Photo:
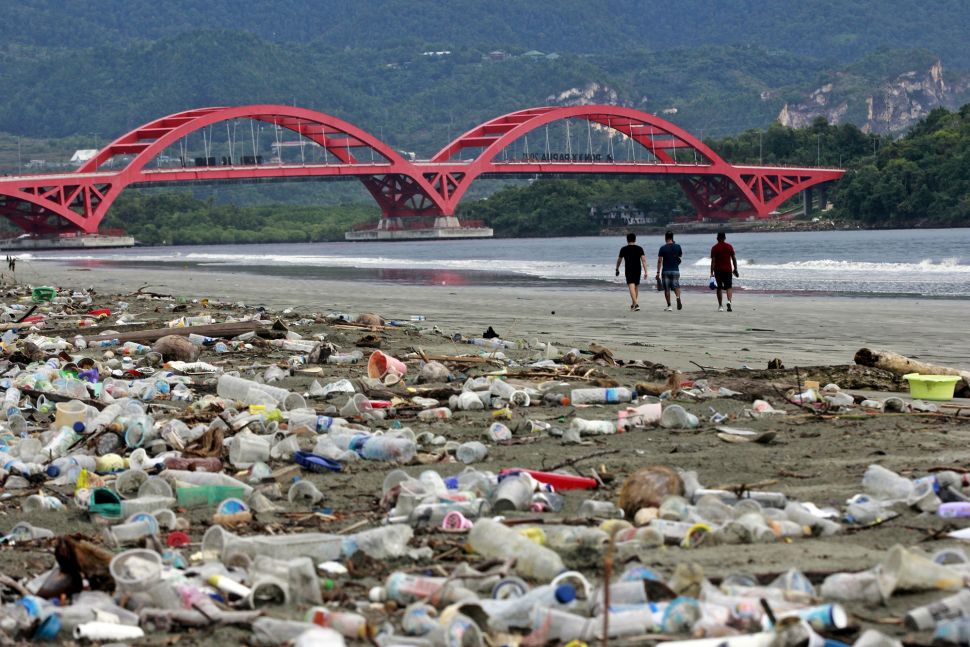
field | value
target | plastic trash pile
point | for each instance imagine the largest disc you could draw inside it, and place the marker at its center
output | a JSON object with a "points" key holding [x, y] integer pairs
{"points": [[200, 465]]}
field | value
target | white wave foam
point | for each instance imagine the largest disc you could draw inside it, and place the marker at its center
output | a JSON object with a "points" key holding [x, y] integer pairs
{"points": [[707, 262], [948, 265]]}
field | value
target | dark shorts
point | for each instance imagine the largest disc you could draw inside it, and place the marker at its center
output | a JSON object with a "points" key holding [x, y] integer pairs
{"points": [[633, 278], [671, 280], [724, 280]]}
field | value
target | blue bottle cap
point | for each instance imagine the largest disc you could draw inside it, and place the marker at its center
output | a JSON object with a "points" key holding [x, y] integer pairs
{"points": [[79, 427], [53, 471], [565, 593], [49, 628], [451, 483]]}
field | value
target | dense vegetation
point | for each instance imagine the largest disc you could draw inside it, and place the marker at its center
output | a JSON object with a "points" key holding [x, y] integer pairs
{"points": [[826, 29], [923, 178], [180, 219]]}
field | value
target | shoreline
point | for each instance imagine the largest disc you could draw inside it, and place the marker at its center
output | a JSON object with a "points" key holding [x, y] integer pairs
{"points": [[800, 330]]}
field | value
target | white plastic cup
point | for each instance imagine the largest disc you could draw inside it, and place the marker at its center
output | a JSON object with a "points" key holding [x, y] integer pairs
{"points": [[39, 502], [676, 417], [471, 452], [247, 449], [513, 493], [136, 570], [304, 492]]}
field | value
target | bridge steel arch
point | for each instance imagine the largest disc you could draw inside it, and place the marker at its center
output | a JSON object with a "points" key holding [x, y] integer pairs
{"points": [[716, 188], [81, 199], [78, 201]]}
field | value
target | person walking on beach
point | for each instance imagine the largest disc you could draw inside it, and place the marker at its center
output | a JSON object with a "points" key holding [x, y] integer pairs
{"points": [[724, 264], [668, 269], [633, 260]]}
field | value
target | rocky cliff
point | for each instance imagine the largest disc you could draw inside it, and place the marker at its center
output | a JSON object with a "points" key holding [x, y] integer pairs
{"points": [[890, 107]]}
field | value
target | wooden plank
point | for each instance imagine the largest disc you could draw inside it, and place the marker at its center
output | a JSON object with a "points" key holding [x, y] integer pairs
{"points": [[230, 329]]}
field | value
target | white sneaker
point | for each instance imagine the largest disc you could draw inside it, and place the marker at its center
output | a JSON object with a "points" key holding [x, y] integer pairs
{"points": [[668, 309], [720, 308]]}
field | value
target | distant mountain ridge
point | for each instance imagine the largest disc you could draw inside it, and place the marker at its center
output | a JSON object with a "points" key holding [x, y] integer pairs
{"points": [[89, 70]]}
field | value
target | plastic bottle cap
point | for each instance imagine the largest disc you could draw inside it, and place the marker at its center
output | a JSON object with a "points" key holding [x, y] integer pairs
{"points": [[377, 594], [53, 471], [565, 593], [79, 427], [48, 629], [177, 538]]}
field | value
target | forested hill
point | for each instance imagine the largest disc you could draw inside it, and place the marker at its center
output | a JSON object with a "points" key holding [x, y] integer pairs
{"points": [[831, 30], [417, 71]]}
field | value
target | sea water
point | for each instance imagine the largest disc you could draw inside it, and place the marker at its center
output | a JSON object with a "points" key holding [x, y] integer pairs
{"points": [[902, 263]]}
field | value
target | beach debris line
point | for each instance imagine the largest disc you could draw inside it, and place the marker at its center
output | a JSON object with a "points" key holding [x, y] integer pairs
{"points": [[235, 467]]}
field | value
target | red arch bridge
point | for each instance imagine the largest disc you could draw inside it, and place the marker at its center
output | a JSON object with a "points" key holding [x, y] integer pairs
{"points": [[405, 189]]}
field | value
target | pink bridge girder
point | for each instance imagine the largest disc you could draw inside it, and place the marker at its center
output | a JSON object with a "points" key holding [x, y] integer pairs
{"points": [[79, 201]]}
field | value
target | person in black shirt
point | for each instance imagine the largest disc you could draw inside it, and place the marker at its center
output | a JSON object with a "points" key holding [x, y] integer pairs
{"points": [[633, 260]]}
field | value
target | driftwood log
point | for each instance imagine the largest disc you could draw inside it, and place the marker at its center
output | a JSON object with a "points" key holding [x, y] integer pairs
{"points": [[901, 365]]}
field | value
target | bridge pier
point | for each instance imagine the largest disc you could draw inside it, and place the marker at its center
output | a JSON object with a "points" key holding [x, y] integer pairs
{"points": [[807, 202], [420, 228]]}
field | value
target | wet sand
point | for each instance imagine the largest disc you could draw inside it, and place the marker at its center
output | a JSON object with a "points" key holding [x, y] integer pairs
{"points": [[799, 330]]}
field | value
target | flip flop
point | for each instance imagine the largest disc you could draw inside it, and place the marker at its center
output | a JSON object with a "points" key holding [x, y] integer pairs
{"points": [[636, 308]]}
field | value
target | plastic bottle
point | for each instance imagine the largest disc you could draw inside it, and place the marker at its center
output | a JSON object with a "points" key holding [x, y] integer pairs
{"points": [[886, 484], [956, 632], [514, 492], [379, 543], [438, 413], [105, 417], [131, 348], [345, 358], [232, 387], [385, 448], [11, 400], [492, 539], [602, 395], [516, 612], [316, 545], [593, 427], [60, 443], [346, 623], [406, 588]]}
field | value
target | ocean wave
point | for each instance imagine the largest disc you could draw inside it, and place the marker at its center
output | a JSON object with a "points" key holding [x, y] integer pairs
{"points": [[948, 265]]}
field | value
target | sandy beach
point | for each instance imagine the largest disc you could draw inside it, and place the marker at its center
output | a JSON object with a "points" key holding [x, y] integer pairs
{"points": [[799, 330]]}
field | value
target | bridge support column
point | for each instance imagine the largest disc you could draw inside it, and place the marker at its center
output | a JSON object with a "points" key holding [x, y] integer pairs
{"points": [[807, 202], [391, 223], [446, 222]]}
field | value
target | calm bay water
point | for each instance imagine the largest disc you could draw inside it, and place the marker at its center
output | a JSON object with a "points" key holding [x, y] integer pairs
{"points": [[928, 262]]}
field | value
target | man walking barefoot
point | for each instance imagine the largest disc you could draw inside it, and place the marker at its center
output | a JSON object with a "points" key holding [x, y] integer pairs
{"points": [[724, 264], [633, 260], [668, 269]]}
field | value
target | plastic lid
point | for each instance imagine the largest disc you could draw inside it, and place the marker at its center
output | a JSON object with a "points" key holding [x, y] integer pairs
{"points": [[451, 483], [565, 593], [53, 471], [48, 629], [177, 538], [79, 427]]}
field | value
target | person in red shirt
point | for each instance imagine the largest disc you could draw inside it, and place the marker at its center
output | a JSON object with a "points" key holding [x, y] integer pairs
{"points": [[724, 264]]}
